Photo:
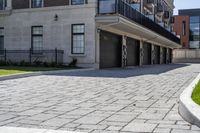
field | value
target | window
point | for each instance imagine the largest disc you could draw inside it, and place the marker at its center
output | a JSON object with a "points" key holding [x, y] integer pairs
{"points": [[37, 38], [78, 2], [194, 19], [36, 3], [184, 28], [78, 38], [194, 32], [3, 4], [1, 41]]}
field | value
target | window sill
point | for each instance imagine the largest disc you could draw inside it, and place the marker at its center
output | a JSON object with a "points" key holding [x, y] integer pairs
{"points": [[77, 55]]}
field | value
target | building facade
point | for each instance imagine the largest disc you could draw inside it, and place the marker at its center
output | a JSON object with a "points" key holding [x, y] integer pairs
{"points": [[100, 34], [187, 26]]}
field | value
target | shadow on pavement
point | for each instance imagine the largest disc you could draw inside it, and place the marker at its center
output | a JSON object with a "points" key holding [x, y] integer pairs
{"points": [[126, 72]]}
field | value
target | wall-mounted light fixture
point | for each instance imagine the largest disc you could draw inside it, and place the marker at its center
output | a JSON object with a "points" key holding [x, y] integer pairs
{"points": [[56, 17]]}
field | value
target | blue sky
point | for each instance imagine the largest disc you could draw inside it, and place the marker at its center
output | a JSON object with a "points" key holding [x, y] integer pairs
{"points": [[185, 4]]}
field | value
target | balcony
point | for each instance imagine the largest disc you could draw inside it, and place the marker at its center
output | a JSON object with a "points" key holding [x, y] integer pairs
{"points": [[110, 12]]}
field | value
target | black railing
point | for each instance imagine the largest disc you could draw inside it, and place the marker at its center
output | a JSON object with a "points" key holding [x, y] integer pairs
{"points": [[32, 56], [123, 8]]}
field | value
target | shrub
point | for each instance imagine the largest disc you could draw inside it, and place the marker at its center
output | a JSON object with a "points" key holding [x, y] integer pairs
{"points": [[73, 63]]}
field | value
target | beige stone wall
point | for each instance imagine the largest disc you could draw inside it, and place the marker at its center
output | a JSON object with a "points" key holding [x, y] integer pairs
{"points": [[56, 34]]}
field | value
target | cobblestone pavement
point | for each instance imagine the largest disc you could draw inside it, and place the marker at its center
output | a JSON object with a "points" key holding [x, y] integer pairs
{"points": [[141, 99]]}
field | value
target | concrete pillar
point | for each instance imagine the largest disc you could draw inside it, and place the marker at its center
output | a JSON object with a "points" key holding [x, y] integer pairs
{"points": [[152, 54], [97, 49], [124, 51], [142, 6], [167, 55], [9, 5], [141, 53]]}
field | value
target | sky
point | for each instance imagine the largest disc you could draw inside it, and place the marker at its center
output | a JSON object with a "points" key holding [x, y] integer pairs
{"points": [[185, 4]]}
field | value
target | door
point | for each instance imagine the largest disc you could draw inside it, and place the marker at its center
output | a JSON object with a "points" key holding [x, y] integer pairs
{"points": [[133, 52], [164, 55], [157, 54], [147, 54], [170, 55], [110, 50]]}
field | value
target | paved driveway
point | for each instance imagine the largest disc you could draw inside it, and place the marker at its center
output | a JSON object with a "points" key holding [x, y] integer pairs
{"points": [[133, 100]]}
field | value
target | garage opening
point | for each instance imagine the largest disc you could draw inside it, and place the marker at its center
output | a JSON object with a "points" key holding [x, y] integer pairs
{"points": [[164, 56], [147, 54], [133, 52], [110, 50], [157, 54], [170, 55]]}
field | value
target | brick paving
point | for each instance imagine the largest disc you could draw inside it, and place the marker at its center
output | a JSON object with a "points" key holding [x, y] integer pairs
{"points": [[141, 99]]}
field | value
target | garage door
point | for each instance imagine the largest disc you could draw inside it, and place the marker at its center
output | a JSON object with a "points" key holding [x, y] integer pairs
{"points": [[164, 56], [147, 54], [133, 52], [110, 50], [157, 55], [170, 55]]}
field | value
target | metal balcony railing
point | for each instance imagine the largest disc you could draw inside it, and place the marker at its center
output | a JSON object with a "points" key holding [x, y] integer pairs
{"points": [[160, 8], [150, 1], [123, 8]]}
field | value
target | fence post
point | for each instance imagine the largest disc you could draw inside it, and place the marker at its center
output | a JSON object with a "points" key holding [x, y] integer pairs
{"points": [[5, 55], [30, 52], [56, 56]]}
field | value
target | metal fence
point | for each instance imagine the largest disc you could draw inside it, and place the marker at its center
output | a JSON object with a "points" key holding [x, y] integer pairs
{"points": [[32, 56], [125, 9]]}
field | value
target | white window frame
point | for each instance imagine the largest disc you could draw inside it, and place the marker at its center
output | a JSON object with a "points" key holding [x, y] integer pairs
{"points": [[38, 51], [72, 39]]}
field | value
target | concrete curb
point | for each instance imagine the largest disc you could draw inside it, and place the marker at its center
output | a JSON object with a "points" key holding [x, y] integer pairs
{"points": [[30, 130], [29, 74], [188, 109]]}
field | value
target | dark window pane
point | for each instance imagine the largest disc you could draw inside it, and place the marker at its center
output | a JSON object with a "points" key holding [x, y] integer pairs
{"points": [[194, 19], [194, 29], [36, 3], [2, 4], [107, 6]]}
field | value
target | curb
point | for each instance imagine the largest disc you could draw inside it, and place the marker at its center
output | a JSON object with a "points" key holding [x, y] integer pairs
{"points": [[188, 109], [29, 74], [31, 130]]}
